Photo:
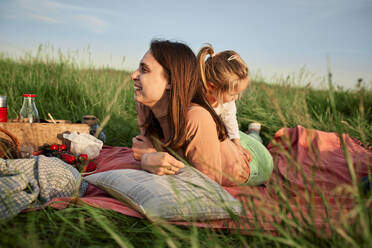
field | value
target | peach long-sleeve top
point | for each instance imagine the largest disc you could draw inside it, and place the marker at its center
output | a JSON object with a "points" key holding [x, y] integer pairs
{"points": [[222, 161]]}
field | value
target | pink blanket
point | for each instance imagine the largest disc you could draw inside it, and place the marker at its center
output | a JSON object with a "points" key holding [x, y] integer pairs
{"points": [[307, 164]]}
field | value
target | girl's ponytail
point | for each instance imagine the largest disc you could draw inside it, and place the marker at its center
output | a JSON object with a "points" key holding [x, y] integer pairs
{"points": [[204, 51]]}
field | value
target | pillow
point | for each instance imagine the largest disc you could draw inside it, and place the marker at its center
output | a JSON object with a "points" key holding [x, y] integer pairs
{"points": [[32, 182], [188, 195]]}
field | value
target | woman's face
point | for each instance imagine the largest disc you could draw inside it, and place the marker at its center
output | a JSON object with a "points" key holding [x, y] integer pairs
{"points": [[150, 81]]}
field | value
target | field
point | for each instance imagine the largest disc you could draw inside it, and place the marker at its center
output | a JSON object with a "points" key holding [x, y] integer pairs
{"points": [[68, 92]]}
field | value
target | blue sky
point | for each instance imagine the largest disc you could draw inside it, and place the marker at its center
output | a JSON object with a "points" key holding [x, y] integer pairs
{"points": [[275, 37]]}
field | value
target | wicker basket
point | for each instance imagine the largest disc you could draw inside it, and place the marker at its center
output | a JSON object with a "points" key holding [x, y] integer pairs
{"points": [[31, 136], [9, 145]]}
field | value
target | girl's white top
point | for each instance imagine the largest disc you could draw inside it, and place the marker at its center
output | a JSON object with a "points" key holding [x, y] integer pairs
{"points": [[227, 112]]}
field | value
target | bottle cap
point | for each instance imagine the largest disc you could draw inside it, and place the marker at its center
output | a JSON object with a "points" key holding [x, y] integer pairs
{"points": [[29, 95], [2, 101]]}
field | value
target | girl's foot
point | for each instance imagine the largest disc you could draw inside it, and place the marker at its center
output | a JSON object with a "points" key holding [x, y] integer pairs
{"points": [[254, 131], [254, 127]]}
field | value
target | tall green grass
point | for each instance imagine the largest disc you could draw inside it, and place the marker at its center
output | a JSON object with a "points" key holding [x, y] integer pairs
{"points": [[282, 105], [68, 92]]}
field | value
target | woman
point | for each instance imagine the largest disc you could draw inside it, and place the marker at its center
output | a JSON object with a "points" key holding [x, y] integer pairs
{"points": [[171, 106]]}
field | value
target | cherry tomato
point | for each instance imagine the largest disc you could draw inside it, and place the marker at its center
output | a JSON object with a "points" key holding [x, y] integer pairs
{"points": [[90, 167], [54, 147], [68, 158], [62, 147], [83, 157]]}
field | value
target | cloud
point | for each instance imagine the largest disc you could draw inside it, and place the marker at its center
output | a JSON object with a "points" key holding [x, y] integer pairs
{"points": [[44, 18], [57, 5], [45, 5], [91, 22], [29, 4], [328, 9], [54, 12]]}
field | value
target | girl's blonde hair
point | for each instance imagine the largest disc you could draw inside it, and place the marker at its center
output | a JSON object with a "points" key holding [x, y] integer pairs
{"points": [[224, 69]]}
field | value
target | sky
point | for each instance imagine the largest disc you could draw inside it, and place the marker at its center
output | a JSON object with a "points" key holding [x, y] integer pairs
{"points": [[276, 38]]}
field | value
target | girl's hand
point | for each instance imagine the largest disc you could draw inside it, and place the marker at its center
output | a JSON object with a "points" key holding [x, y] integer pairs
{"points": [[141, 145], [160, 163]]}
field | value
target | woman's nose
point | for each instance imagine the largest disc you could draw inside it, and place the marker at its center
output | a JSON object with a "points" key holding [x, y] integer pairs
{"points": [[134, 75]]}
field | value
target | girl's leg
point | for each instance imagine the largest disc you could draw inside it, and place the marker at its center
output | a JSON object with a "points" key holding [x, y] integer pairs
{"points": [[261, 165], [256, 136]]}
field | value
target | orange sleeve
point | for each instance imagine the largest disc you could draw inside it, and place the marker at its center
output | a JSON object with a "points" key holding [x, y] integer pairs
{"points": [[203, 147]]}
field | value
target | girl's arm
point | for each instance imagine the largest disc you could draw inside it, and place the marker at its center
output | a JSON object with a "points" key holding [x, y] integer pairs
{"points": [[228, 116]]}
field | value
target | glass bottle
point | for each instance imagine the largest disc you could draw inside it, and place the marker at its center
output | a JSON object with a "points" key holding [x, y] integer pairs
{"points": [[29, 111]]}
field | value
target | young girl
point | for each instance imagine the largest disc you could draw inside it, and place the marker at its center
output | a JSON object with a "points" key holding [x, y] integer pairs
{"points": [[225, 76]]}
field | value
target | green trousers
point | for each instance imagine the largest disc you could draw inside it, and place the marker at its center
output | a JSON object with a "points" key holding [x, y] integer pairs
{"points": [[261, 165]]}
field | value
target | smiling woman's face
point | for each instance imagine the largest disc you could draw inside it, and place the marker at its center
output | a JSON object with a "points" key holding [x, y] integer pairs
{"points": [[150, 81]]}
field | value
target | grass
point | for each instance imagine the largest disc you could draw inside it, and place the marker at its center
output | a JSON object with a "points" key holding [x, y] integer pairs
{"points": [[68, 92]]}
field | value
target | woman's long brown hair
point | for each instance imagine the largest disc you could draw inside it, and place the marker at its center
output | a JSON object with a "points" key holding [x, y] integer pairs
{"points": [[180, 65]]}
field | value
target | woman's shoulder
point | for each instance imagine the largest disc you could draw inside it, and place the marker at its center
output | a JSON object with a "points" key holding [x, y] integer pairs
{"points": [[198, 114], [200, 121], [196, 109]]}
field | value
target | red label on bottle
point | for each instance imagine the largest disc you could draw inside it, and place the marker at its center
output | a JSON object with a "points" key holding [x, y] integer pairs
{"points": [[3, 115]]}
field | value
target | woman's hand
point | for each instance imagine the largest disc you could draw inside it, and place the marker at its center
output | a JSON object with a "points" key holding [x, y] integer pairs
{"points": [[247, 153], [236, 141], [141, 145], [160, 163]]}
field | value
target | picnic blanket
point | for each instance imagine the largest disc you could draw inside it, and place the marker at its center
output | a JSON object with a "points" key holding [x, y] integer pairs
{"points": [[27, 183], [310, 166]]}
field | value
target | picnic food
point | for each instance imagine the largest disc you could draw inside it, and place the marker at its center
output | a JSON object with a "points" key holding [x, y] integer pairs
{"points": [[54, 147], [69, 158], [90, 167], [83, 157], [79, 161], [62, 147]]}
